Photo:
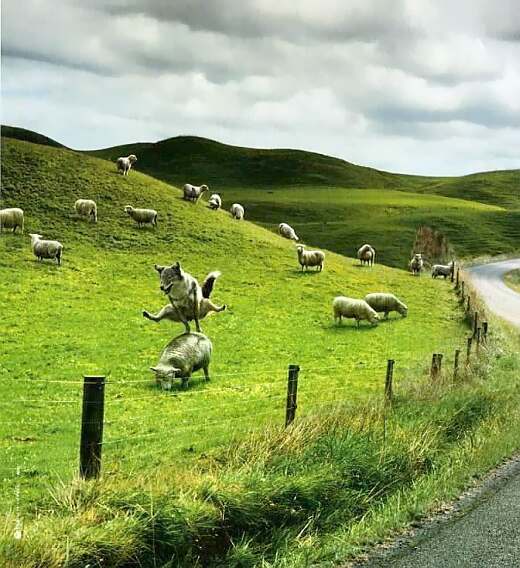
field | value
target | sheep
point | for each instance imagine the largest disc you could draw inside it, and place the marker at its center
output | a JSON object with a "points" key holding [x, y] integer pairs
{"points": [[11, 219], [215, 201], [288, 232], [343, 307], [443, 269], [87, 208], [308, 258], [46, 249], [381, 302], [237, 211], [194, 192], [124, 165], [183, 355], [416, 264], [366, 254], [142, 216]]}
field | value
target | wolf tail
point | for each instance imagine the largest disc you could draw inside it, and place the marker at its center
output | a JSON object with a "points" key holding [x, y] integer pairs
{"points": [[209, 282]]}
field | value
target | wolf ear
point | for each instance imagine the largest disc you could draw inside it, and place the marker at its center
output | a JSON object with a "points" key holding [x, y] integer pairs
{"points": [[159, 268], [177, 265]]}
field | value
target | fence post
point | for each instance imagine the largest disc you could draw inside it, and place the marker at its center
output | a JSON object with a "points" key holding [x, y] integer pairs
{"points": [[92, 418], [475, 324], [462, 291], [456, 364], [478, 340], [484, 331], [292, 394], [468, 307], [457, 279], [389, 379], [439, 364], [433, 369], [452, 275], [468, 350]]}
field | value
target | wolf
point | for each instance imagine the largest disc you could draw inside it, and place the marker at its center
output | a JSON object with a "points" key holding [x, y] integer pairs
{"points": [[189, 300]]}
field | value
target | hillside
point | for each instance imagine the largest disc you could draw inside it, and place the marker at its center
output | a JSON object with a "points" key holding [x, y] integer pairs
{"points": [[18, 133], [186, 474]]}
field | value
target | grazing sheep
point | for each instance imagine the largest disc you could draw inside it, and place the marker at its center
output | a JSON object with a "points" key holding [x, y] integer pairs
{"points": [[194, 192], [287, 231], [308, 258], [124, 165], [417, 264], [87, 208], [184, 355], [381, 302], [443, 269], [366, 255], [343, 307], [142, 216], [215, 201], [237, 211], [11, 219], [46, 249]]}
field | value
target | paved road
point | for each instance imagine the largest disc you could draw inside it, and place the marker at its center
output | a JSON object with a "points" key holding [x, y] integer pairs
{"points": [[485, 533], [488, 279]]}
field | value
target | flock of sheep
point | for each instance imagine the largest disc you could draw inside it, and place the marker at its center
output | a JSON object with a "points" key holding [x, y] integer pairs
{"points": [[189, 301]]}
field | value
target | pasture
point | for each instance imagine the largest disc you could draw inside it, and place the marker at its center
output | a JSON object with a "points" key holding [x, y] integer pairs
{"points": [[85, 318]]}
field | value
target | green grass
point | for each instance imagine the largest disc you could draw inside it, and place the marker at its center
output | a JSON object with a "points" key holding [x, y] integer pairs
{"points": [[183, 474], [512, 279]]}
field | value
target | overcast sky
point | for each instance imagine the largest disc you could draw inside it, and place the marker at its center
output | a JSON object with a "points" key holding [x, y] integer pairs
{"points": [[417, 86]]}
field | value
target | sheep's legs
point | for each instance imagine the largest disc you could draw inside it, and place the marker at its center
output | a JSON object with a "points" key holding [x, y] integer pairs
{"points": [[206, 373]]}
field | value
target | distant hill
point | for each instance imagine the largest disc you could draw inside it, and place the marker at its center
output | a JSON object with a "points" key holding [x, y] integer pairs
{"points": [[28, 136]]}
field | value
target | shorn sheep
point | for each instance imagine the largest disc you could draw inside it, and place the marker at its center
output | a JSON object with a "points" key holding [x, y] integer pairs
{"points": [[11, 219], [386, 303], [86, 208], [443, 269], [366, 255], [46, 249], [237, 211], [184, 355], [417, 264], [215, 201], [288, 232], [124, 165], [343, 307], [142, 216], [308, 258], [194, 192]]}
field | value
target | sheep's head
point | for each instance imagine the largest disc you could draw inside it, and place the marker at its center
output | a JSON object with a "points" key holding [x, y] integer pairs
{"points": [[132, 158], [128, 208], [169, 275], [165, 375], [204, 188], [34, 237], [402, 309], [300, 248]]}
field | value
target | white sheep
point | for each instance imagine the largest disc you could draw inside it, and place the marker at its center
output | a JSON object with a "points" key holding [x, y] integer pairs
{"points": [[194, 192], [382, 302], [215, 201], [11, 219], [343, 307], [142, 216], [417, 264], [366, 254], [287, 231], [86, 208], [184, 355], [443, 269], [237, 211], [308, 258], [46, 249], [124, 165]]}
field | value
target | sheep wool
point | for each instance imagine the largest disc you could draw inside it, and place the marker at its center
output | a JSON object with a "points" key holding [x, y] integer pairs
{"points": [[386, 303], [142, 216], [11, 218], [343, 307]]}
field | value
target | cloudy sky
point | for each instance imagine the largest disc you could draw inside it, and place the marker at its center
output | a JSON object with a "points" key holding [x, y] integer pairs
{"points": [[418, 86]]}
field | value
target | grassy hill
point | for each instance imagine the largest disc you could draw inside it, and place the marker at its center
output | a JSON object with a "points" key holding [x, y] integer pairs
{"points": [[28, 136], [173, 484]]}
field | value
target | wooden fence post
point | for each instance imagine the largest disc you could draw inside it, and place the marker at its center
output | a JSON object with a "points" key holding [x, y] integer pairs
{"points": [[292, 394], [389, 380], [452, 275], [439, 363], [468, 307], [475, 324], [434, 367], [457, 279], [484, 331], [92, 419], [462, 291], [456, 364], [468, 350], [478, 340]]}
